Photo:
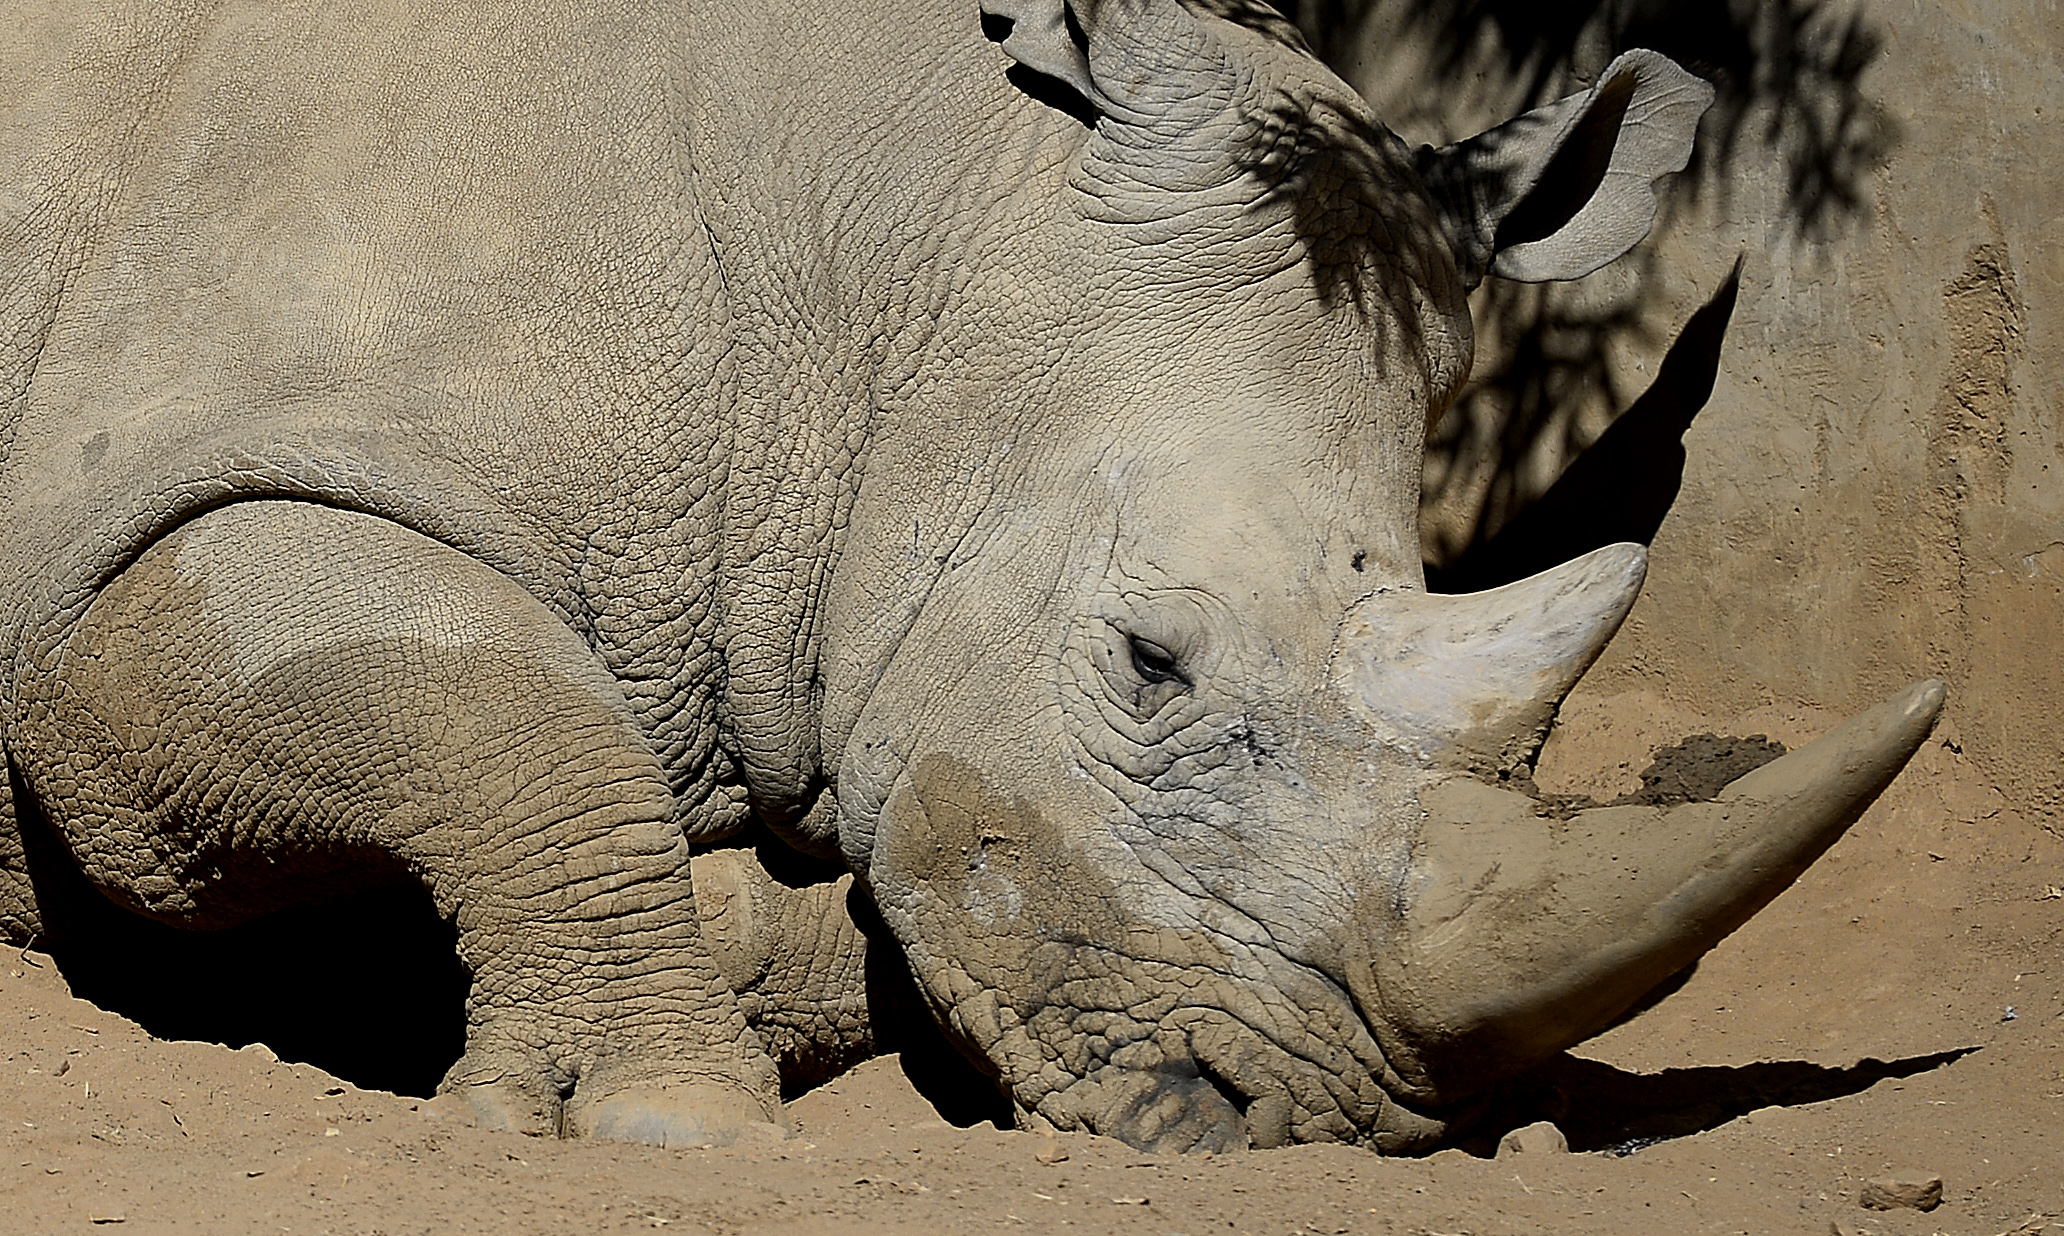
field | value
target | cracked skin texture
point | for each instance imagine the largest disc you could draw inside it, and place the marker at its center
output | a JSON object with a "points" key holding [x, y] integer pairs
{"points": [[506, 445], [1166, 1032], [281, 701]]}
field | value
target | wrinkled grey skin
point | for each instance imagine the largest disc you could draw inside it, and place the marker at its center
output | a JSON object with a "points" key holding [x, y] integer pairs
{"points": [[502, 446]]}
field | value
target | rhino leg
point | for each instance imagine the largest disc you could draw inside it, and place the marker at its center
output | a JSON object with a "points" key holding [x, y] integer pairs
{"points": [[787, 943], [20, 922], [282, 702]]}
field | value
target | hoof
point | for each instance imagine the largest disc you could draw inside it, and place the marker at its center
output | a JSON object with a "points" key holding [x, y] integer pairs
{"points": [[1168, 1113], [450, 1109], [495, 1105], [683, 1115]]}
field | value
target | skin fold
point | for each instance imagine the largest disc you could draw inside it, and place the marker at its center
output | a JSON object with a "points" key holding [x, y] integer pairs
{"points": [[519, 447]]}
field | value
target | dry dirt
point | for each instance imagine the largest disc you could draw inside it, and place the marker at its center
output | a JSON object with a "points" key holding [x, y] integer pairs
{"points": [[1898, 1011]]}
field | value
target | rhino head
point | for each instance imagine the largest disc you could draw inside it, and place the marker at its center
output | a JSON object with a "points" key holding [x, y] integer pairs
{"points": [[1189, 804]]}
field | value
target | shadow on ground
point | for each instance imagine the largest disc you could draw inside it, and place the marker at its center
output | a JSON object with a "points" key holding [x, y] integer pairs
{"points": [[953, 1081], [1599, 1107], [368, 988]]}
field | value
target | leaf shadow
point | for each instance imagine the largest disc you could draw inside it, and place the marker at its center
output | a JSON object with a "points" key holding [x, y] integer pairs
{"points": [[1794, 110]]}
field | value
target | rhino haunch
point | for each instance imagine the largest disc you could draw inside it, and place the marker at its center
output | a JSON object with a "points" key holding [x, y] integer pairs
{"points": [[507, 447]]}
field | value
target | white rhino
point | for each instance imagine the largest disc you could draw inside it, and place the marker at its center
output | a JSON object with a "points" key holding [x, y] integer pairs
{"points": [[504, 445]]}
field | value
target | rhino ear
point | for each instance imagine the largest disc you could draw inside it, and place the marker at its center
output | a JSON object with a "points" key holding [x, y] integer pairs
{"points": [[1046, 37], [1566, 188]]}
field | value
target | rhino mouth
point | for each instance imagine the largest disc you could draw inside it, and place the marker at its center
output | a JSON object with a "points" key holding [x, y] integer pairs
{"points": [[1103, 1004], [1197, 1057]]}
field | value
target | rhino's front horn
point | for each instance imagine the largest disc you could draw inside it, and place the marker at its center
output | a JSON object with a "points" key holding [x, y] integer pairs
{"points": [[1515, 936]]}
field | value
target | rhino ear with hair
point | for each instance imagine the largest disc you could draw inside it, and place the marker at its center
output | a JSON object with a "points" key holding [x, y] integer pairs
{"points": [[1566, 188]]}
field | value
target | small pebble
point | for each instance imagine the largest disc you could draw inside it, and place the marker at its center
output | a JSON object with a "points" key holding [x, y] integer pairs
{"points": [[1051, 1153], [1896, 1192], [1540, 1138]]}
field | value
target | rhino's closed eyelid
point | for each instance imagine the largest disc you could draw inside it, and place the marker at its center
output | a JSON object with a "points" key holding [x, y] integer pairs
{"points": [[1154, 663]]}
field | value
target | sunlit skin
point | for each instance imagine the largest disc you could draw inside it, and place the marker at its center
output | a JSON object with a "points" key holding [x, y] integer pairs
{"points": [[515, 457]]}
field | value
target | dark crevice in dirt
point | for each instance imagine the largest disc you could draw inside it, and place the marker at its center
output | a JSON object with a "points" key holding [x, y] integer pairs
{"points": [[1692, 771], [1602, 1108]]}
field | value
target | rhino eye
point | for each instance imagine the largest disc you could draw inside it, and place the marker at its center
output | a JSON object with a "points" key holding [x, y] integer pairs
{"points": [[1154, 663]]}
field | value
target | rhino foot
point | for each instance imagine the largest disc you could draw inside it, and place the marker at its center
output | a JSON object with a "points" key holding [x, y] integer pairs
{"points": [[496, 1106], [695, 1111], [700, 1113], [1156, 1111]]}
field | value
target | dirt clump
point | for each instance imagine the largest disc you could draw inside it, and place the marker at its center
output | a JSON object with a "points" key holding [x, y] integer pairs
{"points": [[1697, 769], [1692, 771]]}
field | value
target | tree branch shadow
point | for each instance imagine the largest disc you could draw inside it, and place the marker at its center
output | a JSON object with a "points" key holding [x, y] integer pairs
{"points": [[1792, 102], [1788, 76], [1618, 489]]}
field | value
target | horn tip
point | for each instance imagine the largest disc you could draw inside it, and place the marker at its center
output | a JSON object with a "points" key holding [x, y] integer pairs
{"points": [[1626, 555], [1926, 696], [1896, 728], [1622, 565]]}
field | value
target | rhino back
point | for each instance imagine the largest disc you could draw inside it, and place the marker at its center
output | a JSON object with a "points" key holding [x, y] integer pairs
{"points": [[604, 294], [71, 82]]}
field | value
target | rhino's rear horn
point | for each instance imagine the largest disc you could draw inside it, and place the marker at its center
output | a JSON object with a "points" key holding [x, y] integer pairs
{"points": [[1471, 682]]}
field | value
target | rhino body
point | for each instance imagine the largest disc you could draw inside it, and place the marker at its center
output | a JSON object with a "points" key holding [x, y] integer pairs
{"points": [[506, 446]]}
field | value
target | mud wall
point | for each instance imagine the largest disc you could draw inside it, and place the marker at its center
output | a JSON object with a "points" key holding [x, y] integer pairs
{"points": [[1874, 491]]}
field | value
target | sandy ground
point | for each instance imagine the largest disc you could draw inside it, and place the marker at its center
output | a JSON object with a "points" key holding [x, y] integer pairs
{"points": [[1860, 1026]]}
